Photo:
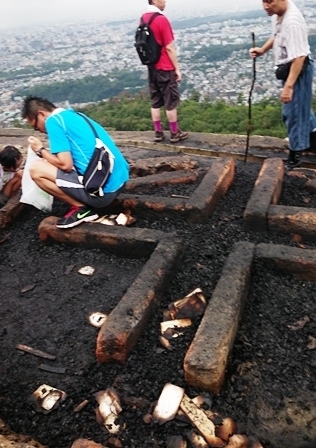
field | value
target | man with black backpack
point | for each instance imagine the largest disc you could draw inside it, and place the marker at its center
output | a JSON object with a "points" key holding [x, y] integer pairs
{"points": [[158, 52]]}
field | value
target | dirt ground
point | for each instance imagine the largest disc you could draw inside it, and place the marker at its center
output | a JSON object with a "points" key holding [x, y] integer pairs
{"points": [[270, 387]]}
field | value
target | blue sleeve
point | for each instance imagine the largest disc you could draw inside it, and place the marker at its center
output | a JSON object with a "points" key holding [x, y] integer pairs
{"points": [[57, 136]]}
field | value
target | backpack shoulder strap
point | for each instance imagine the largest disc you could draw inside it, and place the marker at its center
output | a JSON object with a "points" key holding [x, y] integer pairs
{"points": [[153, 16], [89, 123], [95, 132]]}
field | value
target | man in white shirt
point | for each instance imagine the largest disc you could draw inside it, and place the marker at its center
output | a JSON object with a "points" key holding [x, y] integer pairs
{"points": [[289, 41]]}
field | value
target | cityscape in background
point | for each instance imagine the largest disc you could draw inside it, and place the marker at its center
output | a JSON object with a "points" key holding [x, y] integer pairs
{"points": [[98, 48]]}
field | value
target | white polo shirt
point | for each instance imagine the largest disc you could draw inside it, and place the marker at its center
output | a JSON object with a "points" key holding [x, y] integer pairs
{"points": [[290, 35]]}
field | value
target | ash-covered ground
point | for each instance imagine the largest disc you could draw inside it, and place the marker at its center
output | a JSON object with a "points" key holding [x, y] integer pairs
{"points": [[270, 387]]}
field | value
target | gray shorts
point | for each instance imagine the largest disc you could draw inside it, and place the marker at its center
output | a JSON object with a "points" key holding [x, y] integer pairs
{"points": [[71, 185]]}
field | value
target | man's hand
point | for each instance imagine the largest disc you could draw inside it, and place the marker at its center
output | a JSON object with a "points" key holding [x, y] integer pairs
{"points": [[286, 94], [178, 75], [255, 51], [35, 143], [259, 51], [295, 71]]}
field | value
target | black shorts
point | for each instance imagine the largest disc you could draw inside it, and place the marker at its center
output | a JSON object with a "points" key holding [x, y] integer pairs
{"points": [[163, 89], [71, 185]]}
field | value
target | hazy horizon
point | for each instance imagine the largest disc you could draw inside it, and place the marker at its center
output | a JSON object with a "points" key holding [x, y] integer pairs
{"points": [[19, 13]]}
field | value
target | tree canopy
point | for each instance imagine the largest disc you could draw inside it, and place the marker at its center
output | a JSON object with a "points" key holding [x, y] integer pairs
{"points": [[132, 113]]}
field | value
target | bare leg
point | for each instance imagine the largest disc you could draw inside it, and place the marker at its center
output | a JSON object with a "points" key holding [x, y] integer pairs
{"points": [[172, 115], [155, 114], [13, 185], [44, 175]]}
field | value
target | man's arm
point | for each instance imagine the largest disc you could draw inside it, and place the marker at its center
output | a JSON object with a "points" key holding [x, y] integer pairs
{"points": [[295, 70], [62, 160], [171, 50], [259, 51]]}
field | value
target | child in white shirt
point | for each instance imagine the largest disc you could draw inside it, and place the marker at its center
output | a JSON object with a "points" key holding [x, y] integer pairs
{"points": [[10, 173]]}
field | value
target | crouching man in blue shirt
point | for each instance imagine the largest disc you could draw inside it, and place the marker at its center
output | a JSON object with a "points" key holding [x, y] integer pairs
{"points": [[71, 146]]}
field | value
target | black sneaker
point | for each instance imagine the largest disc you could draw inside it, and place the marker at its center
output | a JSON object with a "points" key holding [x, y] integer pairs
{"points": [[159, 136], [177, 136], [76, 216], [293, 160]]}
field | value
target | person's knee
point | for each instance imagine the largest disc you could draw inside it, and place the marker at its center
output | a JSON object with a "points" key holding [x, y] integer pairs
{"points": [[17, 181], [12, 187], [36, 170], [33, 173], [18, 175]]}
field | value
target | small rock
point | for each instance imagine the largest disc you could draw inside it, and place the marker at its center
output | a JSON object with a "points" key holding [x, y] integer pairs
{"points": [[85, 443]]}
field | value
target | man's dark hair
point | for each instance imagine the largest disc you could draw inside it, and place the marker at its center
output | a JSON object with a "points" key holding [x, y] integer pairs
{"points": [[9, 156], [150, 2], [32, 104]]}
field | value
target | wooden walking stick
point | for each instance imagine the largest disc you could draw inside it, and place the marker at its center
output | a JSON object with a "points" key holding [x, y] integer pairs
{"points": [[249, 126]]}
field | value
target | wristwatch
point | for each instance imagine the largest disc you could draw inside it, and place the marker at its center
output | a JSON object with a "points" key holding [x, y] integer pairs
{"points": [[39, 152]]}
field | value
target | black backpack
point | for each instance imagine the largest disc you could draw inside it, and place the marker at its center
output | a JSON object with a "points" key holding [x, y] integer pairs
{"points": [[146, 45]]}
